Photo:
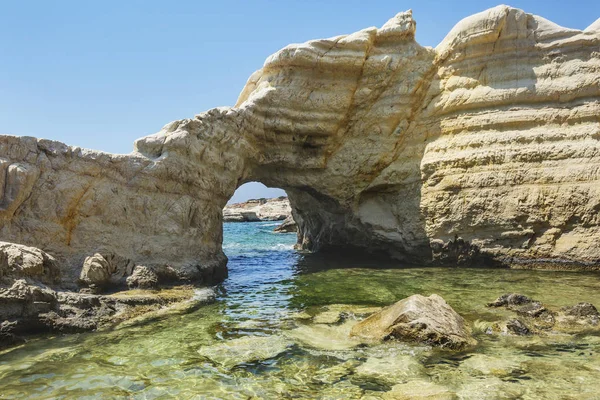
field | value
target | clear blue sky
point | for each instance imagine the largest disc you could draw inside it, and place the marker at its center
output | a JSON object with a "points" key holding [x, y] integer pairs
{"points": [[101, 74]]}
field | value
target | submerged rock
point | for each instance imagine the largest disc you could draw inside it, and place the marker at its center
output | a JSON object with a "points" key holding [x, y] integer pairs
{"points": [[482, 364], [389, 370], [336, 373], [419, 390], [489, 388], [581, 310], [582, 316], [328, 317], [517, 327], [536, 318], [245, 349], [417, 318], [325, 337], [510, 299]]}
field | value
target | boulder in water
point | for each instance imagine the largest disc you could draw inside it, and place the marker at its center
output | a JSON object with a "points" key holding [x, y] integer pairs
{"points": [[143, 278], [18, 261], [420, 319]]}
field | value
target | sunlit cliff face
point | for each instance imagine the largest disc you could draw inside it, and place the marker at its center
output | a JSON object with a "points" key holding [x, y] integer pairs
{"points": [[484, 149]]}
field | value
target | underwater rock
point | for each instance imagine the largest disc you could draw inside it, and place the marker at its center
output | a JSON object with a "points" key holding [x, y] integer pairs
{"points": [[536, 318], [511, 327], [581, 310], [517, 327], [417, 318], [389, 370], [510, 299], [489, 388], [328, 317], [230, 353], [536, 315], [419, 390], [339, 390], [325, 337], [336, 373], [300, 315], [577, 318], [482, 364], [18, 261]]}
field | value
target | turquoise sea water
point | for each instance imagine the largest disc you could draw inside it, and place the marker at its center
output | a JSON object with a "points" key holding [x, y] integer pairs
{"points": [[261, 339]]}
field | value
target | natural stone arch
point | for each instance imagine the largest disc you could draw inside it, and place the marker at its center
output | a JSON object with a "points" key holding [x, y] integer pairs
{"points": [[381, 144]]}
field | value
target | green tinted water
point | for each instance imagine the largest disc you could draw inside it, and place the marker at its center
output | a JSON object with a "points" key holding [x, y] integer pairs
{"points": [[271, 292]]}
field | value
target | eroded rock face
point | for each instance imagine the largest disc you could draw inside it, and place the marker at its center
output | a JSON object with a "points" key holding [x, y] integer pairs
{"points": [[17, 261], [27, 308], [75, 203], [420, 319], [492, 137], [287, 226]]}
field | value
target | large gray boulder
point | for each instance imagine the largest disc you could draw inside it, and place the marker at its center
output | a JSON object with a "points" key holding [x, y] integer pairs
{"points": [[417, 318]]}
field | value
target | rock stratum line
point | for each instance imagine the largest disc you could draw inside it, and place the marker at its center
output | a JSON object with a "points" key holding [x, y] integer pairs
{"points": [[485, 149]]}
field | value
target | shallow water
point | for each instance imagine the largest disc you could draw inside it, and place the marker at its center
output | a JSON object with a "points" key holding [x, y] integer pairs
{"points": [[271, 292]]}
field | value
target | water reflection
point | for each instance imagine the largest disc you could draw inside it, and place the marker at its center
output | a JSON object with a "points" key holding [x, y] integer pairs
{"points": [[274, 292]]}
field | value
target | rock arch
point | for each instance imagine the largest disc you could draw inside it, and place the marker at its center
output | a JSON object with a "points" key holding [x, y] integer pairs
{"points": [[486, 147]]}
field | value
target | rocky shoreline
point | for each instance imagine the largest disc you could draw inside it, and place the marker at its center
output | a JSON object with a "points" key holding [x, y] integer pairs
{"points": [[254, 210], [416, 153], [34, 299]]}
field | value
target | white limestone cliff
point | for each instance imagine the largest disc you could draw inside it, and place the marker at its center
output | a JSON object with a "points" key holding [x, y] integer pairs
{"points": [[485, 149], [253, 210]]}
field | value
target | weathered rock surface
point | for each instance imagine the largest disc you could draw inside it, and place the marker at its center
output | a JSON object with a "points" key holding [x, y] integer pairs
{"points": [[143, 278], [276, 209], [245, 349], [536, 318], [27, 308], [287, 226], [492, 137], [324, 336], [420, 319], [419, 390], [389, 370]]}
